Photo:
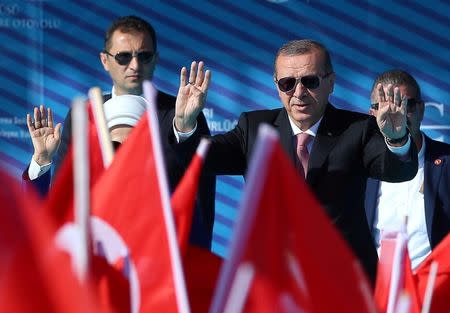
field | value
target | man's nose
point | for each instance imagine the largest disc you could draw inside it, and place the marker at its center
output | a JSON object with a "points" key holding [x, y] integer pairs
{"points": [[299, 90], [134, 63]]}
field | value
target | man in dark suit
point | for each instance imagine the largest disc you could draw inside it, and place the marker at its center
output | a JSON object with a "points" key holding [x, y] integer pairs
{"points": [[345, 147], [425, 199], [129, 56]]}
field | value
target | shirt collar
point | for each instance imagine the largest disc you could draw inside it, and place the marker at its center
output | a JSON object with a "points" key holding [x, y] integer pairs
{"points": [[311, 131], [113, 92]]}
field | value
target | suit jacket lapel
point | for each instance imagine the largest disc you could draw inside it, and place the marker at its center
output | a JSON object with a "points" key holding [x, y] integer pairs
{"points": [[432, 174], [286, 135], [326, 139]]}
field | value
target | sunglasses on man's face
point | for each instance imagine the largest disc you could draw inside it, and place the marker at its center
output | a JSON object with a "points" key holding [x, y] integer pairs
{"points": [[287, 84], [125, 57], [410, 105]]}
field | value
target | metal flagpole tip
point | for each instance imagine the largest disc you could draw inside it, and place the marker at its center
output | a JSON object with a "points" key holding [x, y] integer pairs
{"points": [[203, 147], [150, 92], [95, 92], [267, 132]]}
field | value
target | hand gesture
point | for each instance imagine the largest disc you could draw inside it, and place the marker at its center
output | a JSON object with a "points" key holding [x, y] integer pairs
{"points": [[44, 136], [191, 96], [391, 117]]}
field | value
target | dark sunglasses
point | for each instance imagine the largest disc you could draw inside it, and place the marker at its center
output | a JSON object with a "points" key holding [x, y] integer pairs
{"points": [[287, 84], [410, 105], [125, 57]]}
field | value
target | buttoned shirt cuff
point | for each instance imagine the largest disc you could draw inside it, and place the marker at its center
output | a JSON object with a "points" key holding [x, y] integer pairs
{"points": [[180, 136], [35, 170], [401, 151]]}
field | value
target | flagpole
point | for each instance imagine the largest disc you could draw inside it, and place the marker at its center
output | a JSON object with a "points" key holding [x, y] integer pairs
{"points": [[429, 290], [397, 273], [81, 184], [180, 286], [240, 288], [403, 304]]}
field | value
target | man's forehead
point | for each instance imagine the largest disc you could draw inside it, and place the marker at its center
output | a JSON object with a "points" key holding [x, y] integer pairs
{"points": [[305, 61], [118, 36], [129, 33], [308, 54]]}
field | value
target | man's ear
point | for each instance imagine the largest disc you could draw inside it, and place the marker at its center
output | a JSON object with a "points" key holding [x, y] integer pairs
{"points": [[104, 60]]}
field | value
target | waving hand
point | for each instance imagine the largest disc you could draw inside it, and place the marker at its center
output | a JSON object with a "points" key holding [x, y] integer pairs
{"points": [[191, 96]]}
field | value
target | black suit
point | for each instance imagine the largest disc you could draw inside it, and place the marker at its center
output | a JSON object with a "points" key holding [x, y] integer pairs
{"points": [[201, 233], [348, 148]]}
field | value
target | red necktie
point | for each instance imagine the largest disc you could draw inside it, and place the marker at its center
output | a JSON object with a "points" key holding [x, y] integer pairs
{"points": [[302, 152]]}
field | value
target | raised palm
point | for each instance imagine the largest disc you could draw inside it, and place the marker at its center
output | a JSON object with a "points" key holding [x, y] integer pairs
{"points": [[391, 117], [191, 96], [44, 136]]}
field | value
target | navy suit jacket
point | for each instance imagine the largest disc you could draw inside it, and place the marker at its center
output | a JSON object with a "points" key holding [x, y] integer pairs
{"points": [[347, 149], [203, 219], [436, 191]]}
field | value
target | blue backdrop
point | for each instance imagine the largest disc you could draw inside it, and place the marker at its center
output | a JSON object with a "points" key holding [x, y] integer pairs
{"points": [[50, 53]]}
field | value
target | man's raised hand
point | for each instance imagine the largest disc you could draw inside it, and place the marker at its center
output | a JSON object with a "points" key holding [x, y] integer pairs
{"points": [[391, 117], [191, 96], [44, 136]]}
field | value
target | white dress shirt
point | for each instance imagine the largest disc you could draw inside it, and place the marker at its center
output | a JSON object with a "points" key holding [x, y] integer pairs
{"points": [[399, 200]]}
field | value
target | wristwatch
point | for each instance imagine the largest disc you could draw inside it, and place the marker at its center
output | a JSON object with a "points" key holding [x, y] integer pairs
{"points": [[397, 140]]}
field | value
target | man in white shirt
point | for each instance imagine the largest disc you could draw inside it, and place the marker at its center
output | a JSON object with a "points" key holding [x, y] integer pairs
{"points": [[424, 200]]}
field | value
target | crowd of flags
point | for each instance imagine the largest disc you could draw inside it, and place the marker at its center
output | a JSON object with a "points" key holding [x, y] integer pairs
{"points": [[114, 240]]}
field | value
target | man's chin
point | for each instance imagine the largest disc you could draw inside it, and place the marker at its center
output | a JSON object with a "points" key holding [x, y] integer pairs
{"points": [[298, 119], [135, 88], [299, 116]]}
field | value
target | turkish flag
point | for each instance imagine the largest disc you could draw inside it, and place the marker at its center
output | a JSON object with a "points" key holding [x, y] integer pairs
{"points": [[61, 195], [394, 274], [183, 198], [107, 282], [35, 275], [201, 268], [441, 289], [384, 272], [200, 265], [133, 223], [286, 256]]}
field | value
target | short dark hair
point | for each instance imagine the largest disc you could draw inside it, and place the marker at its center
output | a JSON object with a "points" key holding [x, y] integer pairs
{"points": [[129, 24], [397, 77], [304, 46]]}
